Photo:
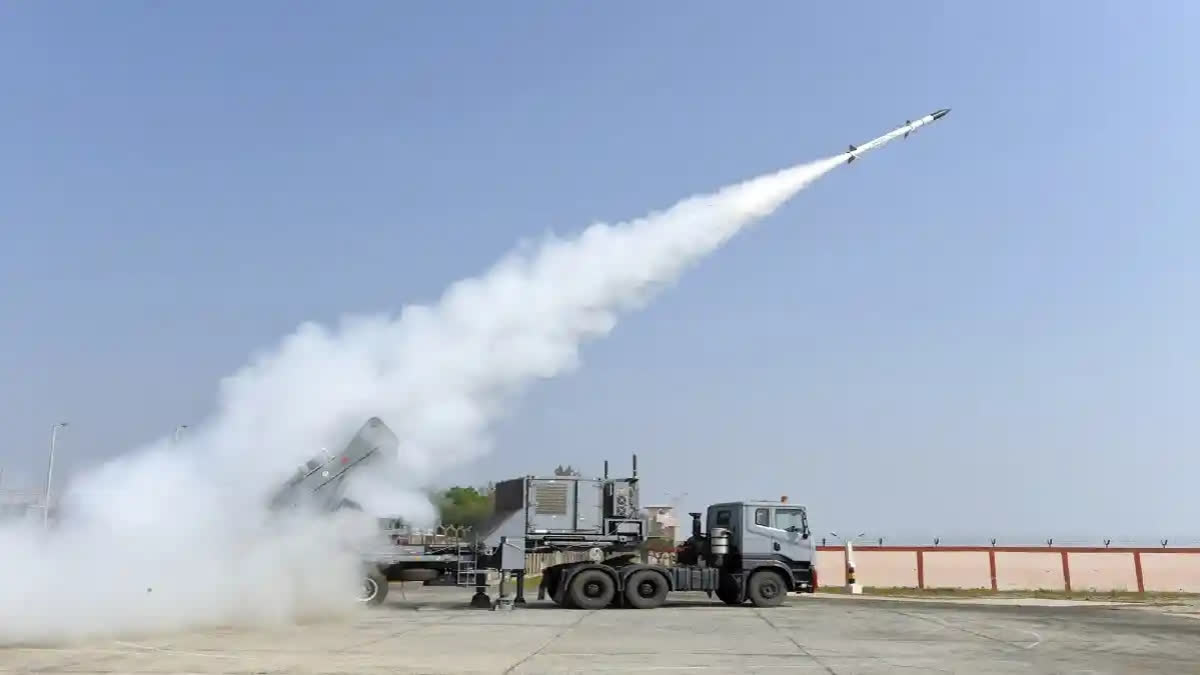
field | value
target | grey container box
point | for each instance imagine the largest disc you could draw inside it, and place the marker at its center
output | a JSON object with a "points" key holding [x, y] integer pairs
{"points": [[566, 505], [564, 509]]}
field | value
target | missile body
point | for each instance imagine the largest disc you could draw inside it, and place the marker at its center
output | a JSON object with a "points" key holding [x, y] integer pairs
{"points": [[904, 130]]}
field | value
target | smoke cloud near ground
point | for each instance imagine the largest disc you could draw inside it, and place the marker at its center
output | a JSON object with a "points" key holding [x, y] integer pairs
{"points": [[176, 535]]}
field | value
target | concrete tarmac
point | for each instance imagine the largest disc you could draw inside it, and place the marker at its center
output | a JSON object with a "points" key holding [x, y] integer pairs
{"points": [[432, 631]]}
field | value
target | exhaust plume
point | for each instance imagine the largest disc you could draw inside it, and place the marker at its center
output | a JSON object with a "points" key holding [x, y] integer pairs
{"points": [[176, 535]]}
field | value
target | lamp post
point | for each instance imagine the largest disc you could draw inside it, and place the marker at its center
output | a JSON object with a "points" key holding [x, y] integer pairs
{"points": [[50, 473], [178, 432], [852, 585]]}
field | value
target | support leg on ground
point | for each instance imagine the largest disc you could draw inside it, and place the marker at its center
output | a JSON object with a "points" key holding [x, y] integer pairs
{"points": [[480, 600], [502, 599], [520, 599]]}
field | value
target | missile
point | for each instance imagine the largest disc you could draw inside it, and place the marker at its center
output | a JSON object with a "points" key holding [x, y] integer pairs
{"points": [[904, 130]]}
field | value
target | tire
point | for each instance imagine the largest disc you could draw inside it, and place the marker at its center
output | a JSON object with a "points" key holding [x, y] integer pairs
{"points": [[591, 589], [374, 588], [728, 591], [767, 589], [416, 574], [646, 589], [550, 581]]}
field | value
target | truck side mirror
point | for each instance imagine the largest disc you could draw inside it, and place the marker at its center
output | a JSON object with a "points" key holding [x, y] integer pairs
{"points": [[797, 529]]}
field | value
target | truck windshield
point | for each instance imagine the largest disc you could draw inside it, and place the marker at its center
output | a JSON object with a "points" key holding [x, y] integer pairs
{"points": [[788, 518]]}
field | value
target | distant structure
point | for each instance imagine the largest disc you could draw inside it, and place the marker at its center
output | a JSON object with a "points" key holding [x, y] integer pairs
{"points": [[20, 504], [663, 522]]}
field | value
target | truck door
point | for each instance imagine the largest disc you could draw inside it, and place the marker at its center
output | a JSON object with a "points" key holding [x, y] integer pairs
{"points": [[791, 524], [758, 538], [777, 532]]}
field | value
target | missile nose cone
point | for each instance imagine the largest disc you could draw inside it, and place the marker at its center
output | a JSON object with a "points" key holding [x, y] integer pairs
{"points": [[941, 113]]}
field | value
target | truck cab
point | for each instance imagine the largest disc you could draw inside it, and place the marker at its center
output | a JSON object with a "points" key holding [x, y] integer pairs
{"points": [[766, 534]]}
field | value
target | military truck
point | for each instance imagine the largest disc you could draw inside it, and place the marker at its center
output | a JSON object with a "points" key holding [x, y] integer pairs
{"points": [[752, 550]]}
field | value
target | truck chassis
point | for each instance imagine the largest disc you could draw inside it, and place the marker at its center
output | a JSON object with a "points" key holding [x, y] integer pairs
{"points": [[624, 582]]}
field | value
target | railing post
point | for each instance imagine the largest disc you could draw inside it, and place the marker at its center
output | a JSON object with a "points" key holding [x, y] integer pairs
{"points": [[852, 585]]}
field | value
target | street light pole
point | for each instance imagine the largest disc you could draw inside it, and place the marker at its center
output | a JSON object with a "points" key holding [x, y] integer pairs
{"points": [[50, 473], [178, 431], [852, 585]]}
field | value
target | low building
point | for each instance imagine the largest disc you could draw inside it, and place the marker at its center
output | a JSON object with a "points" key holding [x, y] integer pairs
{"points": [[663, 523]]}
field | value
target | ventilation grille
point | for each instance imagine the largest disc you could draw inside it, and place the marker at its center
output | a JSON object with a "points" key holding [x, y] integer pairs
{"points": [[620, 502], [552, 499], [622, 509]]}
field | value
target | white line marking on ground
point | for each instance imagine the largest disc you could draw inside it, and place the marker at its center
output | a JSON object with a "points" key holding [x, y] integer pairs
{"points": [[151, 648], [1034, 634]]}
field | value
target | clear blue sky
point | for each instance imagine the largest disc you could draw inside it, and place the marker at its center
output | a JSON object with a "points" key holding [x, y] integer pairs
{"points": [[988, 328]]}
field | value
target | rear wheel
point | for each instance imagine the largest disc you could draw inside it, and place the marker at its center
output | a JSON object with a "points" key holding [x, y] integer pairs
{"points": [[591, 589], [374, 588], [767, 589], [646, 589]]}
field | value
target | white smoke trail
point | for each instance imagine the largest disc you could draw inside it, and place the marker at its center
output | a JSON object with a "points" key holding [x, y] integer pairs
{"points": [[173, 537]]}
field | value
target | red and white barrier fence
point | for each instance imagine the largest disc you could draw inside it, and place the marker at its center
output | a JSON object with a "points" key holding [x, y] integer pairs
{"points": [[1002, 568]]}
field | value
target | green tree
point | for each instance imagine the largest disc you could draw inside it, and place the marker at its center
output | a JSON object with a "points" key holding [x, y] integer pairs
{"points": [[464, 506]]}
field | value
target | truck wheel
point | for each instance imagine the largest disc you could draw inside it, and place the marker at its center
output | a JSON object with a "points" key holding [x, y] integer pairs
{"points": [[645, 589], [728, 591], [417, 574], [591, 589], [374, 588], [767, 589]]}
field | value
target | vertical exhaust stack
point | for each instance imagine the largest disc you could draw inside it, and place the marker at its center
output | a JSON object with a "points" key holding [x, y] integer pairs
{"points": [[634, 466], [606, 469]]}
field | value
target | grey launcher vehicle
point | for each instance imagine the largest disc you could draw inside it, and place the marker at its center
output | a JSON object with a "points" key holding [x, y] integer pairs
{"points": [[749, 550]]}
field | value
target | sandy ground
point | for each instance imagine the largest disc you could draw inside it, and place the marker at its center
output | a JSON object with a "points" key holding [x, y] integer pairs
{"points": [[432, 631]]}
